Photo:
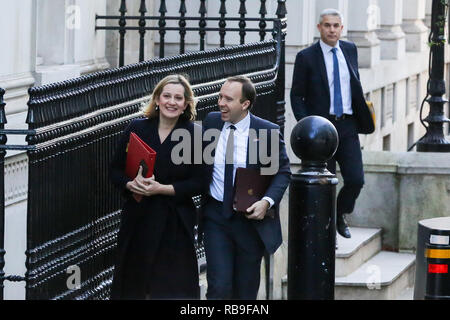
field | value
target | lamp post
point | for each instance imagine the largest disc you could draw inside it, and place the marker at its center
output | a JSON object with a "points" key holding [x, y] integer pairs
{"points": [[434, 140]]}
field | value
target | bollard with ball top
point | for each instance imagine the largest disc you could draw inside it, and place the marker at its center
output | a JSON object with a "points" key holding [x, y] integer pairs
{"points": [[312, 212]]}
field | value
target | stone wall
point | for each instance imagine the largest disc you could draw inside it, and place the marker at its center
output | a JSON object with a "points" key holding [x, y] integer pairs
{"points": [[401, 188]]}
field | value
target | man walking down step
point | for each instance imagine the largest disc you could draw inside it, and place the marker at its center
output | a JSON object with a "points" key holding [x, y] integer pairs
{"points": [[326, 83]]}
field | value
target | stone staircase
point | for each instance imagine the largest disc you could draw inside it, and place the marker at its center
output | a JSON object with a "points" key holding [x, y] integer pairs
{"points": [[365, 272]]}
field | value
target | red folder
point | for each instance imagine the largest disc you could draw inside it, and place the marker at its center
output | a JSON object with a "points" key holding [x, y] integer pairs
{"points": [[139, 154]]}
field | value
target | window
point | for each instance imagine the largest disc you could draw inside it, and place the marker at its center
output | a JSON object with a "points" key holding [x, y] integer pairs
{"points": [[410, 135], [387, 143]]}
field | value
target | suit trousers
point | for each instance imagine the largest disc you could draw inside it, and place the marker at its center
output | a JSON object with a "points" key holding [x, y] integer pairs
{"points": [[234, 252], [349, 158]]}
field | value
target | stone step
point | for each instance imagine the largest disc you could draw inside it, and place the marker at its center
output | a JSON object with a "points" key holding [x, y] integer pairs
{"points": [[407, 294], [383, 277], [353, 252], [203, 284]]}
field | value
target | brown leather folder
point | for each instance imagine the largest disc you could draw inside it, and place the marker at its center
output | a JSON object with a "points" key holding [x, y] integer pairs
{"points": [[249, 187]]}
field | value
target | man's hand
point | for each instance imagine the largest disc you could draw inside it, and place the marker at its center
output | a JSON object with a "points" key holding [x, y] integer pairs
{"points": [[258, 210]]}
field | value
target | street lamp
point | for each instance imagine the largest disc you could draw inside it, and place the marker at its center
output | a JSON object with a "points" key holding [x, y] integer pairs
{"points": [[434, 140]]}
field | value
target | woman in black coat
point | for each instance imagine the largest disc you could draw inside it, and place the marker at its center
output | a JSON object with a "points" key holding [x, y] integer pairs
{"points": [[156, 258]]}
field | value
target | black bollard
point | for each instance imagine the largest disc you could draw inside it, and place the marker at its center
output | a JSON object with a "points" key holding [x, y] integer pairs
{"points": [[432, 281], [312, 212]]}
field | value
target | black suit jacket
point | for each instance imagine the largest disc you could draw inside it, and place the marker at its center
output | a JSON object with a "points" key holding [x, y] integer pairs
{"points": [[269, 229], [310, 93]]}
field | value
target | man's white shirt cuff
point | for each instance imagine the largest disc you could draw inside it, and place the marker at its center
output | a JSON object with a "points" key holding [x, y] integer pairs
{"points": [[271, 202]]}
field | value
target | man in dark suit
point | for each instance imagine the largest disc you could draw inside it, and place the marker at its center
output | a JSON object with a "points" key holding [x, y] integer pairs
{"points": [[235, 242], [326, 83]]}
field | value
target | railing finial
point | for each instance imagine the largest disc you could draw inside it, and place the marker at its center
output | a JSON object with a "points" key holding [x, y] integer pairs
{"points": [[222, 22], [242, 23], [162, 25], [202, 24], [281, 9], [182, 25], [262, 23], [142, 10]]}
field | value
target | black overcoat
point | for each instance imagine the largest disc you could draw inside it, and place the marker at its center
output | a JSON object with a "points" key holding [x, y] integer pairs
{"points": [[144, 230]]}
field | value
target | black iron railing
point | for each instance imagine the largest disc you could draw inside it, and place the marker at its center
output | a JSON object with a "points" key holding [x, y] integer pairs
{"points": [[73, 211], [2, 193], [205, 24]]}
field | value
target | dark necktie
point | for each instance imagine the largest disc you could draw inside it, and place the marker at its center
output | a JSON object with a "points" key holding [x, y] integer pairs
{"points": [[338, 109], [228, 178]]}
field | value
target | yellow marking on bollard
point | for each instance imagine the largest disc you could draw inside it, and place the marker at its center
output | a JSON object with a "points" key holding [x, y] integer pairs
{"points": [[437, 253]]}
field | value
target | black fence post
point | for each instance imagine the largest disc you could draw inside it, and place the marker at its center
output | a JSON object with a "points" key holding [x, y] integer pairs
{"points": [[262, 22], [202, 24], [142, 10], [182, 25], [281, 103], [312, 212], [162, 25], [242, 23], [222, 22], [2, 193], [122, 31]]}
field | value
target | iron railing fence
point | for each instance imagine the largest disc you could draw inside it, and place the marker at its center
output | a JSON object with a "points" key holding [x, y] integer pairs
{"points": [[207, 24], [73, 211]]}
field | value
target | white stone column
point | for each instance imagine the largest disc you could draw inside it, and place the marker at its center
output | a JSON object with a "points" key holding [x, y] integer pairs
{"points": [[413, 25], [341, 5], [17, 63], [54, 39], [86, 46], [301, 23], [302, 20], [362, 23], [390, 33], [67, 43], [428, 9]]}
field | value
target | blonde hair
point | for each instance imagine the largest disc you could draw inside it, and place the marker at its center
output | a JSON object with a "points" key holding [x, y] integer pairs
{"points": [[150, 110]]}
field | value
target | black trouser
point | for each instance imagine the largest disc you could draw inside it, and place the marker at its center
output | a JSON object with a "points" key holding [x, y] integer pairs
{"points": [[233, 256], [349, 158]]}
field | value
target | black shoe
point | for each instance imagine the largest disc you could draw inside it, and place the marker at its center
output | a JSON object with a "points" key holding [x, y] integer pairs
{"points": [[342, 228]]}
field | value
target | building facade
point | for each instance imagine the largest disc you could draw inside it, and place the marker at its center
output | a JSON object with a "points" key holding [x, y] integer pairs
{"points": [[46, 41]]}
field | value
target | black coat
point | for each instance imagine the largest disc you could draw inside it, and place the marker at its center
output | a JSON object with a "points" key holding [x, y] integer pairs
{"points": [[310, 93], [150, 229]]}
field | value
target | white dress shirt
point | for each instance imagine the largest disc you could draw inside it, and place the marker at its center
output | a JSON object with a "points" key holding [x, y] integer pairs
{"points": [[344, 75], [239, 156]]}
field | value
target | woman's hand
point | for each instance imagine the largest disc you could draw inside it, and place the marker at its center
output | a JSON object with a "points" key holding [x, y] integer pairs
{"points": [[148, 186]]}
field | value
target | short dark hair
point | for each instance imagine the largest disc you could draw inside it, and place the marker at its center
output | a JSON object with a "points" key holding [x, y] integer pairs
{"points": [[248, 89]]}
